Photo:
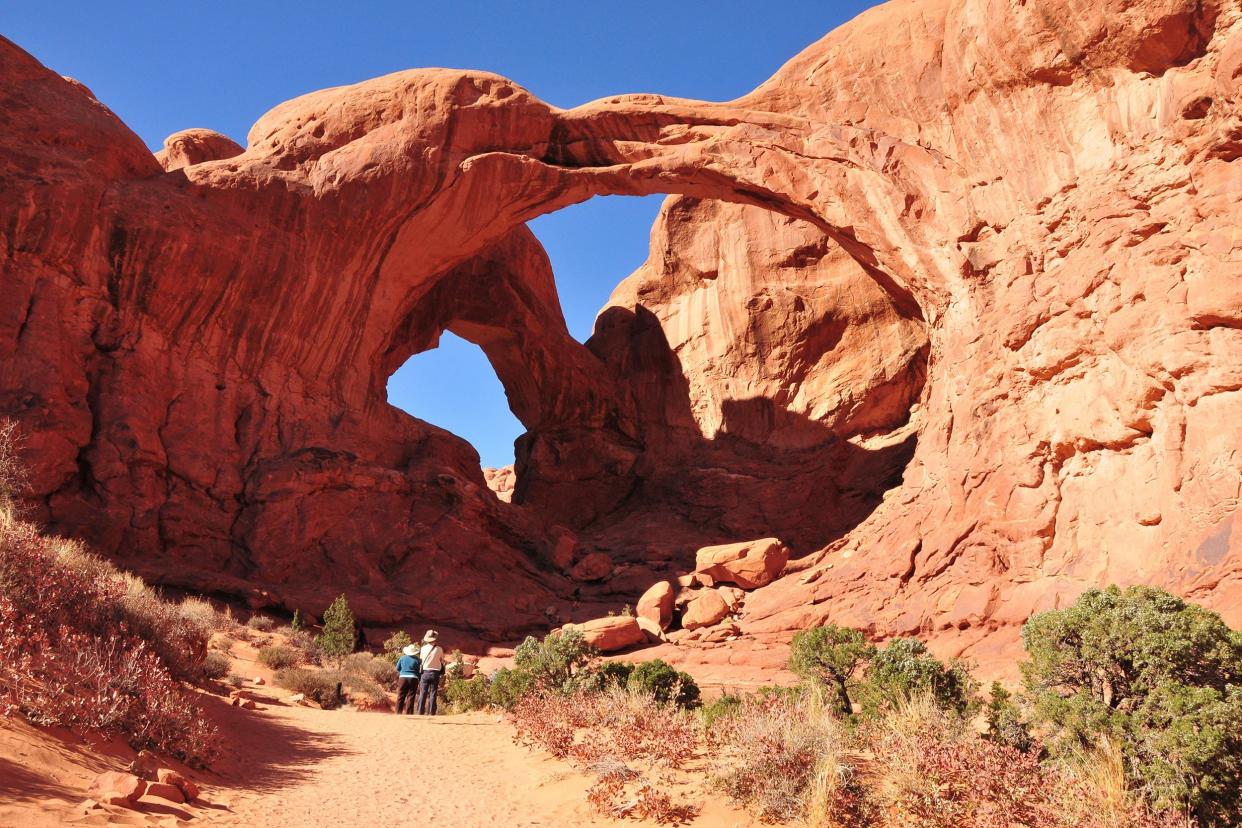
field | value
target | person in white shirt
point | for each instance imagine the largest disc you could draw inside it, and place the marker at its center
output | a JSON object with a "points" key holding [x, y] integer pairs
{"points": [[432, 657]]}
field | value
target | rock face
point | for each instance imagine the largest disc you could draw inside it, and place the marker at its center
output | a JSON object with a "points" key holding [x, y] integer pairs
{"points": [[750, 564], [967, 336]]}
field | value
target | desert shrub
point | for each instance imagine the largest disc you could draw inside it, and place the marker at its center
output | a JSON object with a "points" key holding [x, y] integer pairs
{"points": [[74, 649], [304, 643], [718, 709], [1005, 723], [376, 669], [509, 686], [236, 681], [830, 656], [216, 665], [464, 695], [318, 685], [338, 637], [787, 757], [555, 661], [1159, 678], [261, 623], [904, 668], [14, 479], [295, 623], [932, 771], [602, 732], [278, 657], [395, 643], [607, 674], [664, 683], [202, 614], [357, 685]]}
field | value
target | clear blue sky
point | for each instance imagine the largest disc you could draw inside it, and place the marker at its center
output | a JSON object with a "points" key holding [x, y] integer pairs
{"points": [[171, 65]]}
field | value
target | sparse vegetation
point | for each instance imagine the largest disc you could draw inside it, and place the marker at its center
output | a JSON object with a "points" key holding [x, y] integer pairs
{"points": [[85, 646], [277, 657], [395, 643], [320, 686], [216, 665], [261, 623]]}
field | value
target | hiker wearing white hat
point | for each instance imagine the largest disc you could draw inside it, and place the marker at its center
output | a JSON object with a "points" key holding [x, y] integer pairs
{"points": [[432, 657], [408, 667]]}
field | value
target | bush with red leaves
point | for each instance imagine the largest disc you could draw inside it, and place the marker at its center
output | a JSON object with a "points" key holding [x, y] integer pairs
{"points": [[68, 655], [603, 732]]}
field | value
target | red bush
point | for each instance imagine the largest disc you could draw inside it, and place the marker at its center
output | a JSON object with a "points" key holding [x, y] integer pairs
{"points": [[68, 656]]}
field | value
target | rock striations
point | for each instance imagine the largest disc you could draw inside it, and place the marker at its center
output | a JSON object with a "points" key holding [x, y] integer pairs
{"points": [[950, 306]]}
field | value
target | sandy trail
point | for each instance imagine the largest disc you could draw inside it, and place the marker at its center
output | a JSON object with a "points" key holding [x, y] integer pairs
{"points": [[288, 765]]}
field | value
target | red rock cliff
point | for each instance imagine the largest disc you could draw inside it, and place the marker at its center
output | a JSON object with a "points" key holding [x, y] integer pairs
{"points": [[968, 335]]}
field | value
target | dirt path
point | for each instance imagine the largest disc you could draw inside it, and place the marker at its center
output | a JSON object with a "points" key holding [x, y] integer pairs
{"points": [[288, 765]]}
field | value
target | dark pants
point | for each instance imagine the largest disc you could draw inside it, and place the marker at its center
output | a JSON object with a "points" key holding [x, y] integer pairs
{"points": [[428, 684], [407, 688]]}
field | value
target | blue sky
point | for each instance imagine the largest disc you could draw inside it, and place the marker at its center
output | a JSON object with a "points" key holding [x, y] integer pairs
{"points": [[169, 66]]}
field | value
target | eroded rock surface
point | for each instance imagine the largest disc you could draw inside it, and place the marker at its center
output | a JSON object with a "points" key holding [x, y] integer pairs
{"points": [[967, 337]]}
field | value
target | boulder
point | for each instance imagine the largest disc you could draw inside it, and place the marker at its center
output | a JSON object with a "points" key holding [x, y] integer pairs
{"points": [[705, 608], [172, 777], [750, 564], [145, 766], [563, 550], [653, 631], [611, 634], [733, 596], [117, 788], [656, 604], [164, 790], [594, 567]]}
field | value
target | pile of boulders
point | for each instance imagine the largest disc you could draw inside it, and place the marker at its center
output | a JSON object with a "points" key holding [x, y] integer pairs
{"points": [[697, 604], [145, 778]]}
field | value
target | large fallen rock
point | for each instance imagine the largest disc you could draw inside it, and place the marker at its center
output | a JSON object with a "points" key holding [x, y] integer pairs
{"points": [[172, 777], [117, 788], [705, 608], [611, 634], [750, 564], [656, 604], [594, 567]]}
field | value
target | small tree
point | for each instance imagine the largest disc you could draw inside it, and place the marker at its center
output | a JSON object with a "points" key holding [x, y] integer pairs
{"points": [[664, 683], [554, 661], [395, 643], [904, 669], [830, 655], [296, 623], [337, 639], [1153, 674]]}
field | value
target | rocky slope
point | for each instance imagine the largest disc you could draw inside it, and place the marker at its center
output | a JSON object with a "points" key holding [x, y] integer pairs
{"points": [[967, 335]]}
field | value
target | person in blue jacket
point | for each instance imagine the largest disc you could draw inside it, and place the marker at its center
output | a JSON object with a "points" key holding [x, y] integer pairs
{"points": [[409, 666]]}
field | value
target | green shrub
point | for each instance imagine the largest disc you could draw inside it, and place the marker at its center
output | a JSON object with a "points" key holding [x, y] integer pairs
{"points": [[338, 637], [554, 662], [829, 656], [318, 685], [277, 657], [296, 624], [395, 643], [1005, 724], [904, 669], [608, 674], [664, 683], [508, 686], [464, 695], [719, 709], [261, 623], [215, 665], [1153, 674]]}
